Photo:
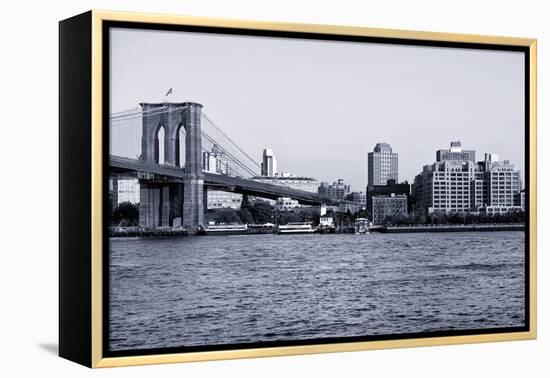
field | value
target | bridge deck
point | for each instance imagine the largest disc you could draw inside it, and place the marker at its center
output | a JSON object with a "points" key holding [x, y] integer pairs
{"points": [[221, 182]]}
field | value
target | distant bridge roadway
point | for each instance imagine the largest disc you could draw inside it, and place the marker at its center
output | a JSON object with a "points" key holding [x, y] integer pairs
{"points": [[220, 181]]}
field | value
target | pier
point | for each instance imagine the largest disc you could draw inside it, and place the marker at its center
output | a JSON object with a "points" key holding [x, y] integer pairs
{"points": [[452, 228]]}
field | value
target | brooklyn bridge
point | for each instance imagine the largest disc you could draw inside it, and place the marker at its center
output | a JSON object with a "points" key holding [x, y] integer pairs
{"points": [[162, 144]]}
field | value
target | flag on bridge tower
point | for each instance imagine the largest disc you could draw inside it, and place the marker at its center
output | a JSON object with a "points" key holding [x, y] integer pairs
{"points": [[168, 93]]}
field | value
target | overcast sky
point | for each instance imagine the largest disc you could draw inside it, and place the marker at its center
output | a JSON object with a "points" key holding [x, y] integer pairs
{"points": [[322, 106]]}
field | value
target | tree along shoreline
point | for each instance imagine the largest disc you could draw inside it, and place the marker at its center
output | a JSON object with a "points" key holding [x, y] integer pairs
{"points": [[261, 212]]}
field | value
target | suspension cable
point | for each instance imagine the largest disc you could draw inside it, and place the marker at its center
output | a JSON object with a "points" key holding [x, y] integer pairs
{"points": [[231, 141]]}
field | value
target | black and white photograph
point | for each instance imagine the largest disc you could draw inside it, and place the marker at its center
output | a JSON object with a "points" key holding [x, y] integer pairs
{"points": [[271, 189]]}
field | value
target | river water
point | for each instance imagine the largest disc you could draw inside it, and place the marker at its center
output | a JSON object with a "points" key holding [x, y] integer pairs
{"points": [[211, 290]]}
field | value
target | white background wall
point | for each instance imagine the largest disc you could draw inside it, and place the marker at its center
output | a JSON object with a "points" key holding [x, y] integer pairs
{"points": [[29, 143]]}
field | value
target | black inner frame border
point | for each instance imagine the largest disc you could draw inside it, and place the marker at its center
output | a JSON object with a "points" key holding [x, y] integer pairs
{"points": [[107, 25]]}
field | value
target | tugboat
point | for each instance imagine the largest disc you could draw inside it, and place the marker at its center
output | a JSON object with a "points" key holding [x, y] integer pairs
{"points": [[296, 228], [362, 226]]}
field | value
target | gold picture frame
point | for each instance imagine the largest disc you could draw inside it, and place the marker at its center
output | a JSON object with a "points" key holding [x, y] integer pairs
{"points": [[90, 329]]}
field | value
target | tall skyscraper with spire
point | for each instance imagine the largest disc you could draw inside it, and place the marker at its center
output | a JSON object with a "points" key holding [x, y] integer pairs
{"points": [[269, 163]]}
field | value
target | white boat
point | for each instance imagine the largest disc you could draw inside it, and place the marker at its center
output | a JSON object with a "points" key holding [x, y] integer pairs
{"points": [[362, 226], [296, 228], [226, 229]]}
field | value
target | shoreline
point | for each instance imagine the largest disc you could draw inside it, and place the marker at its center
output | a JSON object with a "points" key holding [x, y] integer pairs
{"points": [[138, 232], [454, 228]]}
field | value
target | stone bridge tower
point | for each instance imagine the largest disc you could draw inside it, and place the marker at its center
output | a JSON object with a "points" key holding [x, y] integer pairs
{"points": [[158, 196], [193, 181]]}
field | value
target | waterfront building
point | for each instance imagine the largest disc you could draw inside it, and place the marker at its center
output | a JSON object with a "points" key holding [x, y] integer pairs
{"points": [[382, 165], [388, 188], [503, 182], [385, 207], [269, 163], [216, 199], [326, 221], [125, 189], [337, 190], [286, 204], [447, 187], [455, 183]]}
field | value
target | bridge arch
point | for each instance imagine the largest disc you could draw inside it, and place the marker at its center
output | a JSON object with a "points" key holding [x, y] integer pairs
{"points": [[151, 123], [180, 145], [160, 145], [170, 117]]}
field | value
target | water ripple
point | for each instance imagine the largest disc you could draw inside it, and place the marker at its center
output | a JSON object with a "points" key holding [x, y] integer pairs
{"points": [[237, 289]]}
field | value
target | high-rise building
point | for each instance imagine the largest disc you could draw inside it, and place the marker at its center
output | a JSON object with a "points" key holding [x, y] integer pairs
{"points": [[269, 163], [337, 190], [455, 183], [388, 206], [209, 162], [382, 165], [215, 162], [503, 185], [446, 186]]}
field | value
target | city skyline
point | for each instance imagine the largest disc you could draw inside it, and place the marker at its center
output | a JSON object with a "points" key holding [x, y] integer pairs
{"points": [[437, 156], [457, 182], [345, 96]]}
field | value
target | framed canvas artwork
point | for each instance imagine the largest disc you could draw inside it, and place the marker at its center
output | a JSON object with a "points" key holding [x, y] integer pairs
{"points": [[235, 189]]}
